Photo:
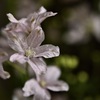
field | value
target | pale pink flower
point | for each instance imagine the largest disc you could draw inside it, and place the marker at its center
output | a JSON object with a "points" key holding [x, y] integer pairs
{"points": [[50, 81], [28, 45], [27, 25], [30, 50]]}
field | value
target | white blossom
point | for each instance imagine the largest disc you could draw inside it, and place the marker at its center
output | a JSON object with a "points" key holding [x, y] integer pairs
{"points": [[25, 37], [26, 25], [50, 81]]}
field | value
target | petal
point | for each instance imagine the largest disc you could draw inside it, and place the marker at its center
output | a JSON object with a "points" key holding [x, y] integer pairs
{"points": [[37, 65], [15, 46], [43, 16], [42, 10], [40, 15], [15, 43], [47, 51], [36, 37], [18, 57], [29, 87], [32, 87], [58, 86], [21, 25], [52, 74], [12, 18], [4, 74], [42, 95]]}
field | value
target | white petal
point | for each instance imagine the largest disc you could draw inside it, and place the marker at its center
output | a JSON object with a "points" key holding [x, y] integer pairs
{"points": [[29, 87], [18, 57], [36, 37], [20, 25], [11, 18], [4, 74], [15, 46], [45, 15], [15, 43], [42, 10], [58, 86], [37, 65], [47, 51], [52, 74], [23, 26], [42, 95], [32, 87]]}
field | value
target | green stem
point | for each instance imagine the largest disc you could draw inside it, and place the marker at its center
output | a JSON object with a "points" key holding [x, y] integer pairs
{"points": [[27, 71]]}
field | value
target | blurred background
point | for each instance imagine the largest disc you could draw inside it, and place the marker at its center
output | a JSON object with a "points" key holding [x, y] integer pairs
{"points": [[76, 30]]}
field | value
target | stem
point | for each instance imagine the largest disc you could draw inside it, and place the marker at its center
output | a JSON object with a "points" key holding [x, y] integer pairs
{"points": [[27, 71]]}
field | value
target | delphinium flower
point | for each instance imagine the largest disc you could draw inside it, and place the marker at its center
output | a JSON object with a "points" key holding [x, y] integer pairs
{"points": [[49, 80], [3, 57], [25, 37]]}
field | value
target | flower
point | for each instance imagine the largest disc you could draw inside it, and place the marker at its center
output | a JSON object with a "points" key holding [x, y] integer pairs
{"points": [[30, 51], [82, 25], [27, 25], [3, 74], [28, 45], [50, 81]]}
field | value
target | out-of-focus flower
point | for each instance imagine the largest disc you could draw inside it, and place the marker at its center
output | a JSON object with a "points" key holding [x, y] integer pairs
{"points": [[82, 23], [18, 95], [3, 74], [95, 25], [50, 81], [28, 47]]}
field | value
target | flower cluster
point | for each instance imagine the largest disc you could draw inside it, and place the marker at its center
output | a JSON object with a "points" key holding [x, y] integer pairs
{"points": [[25, 37]]}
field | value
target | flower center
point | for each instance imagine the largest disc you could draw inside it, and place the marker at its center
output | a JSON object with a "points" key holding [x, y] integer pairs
{"points": [[43, 83], [29, 52]]}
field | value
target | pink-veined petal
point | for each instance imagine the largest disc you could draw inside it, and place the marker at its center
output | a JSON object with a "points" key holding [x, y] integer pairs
{"points": [[52, 74], [37, 65], [36, 37], [15, 45], [58, 86], [18, 57], [21, 25], [47, 51]]}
